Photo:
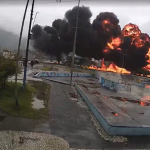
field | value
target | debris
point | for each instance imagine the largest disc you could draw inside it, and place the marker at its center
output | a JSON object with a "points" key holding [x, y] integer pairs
{"points": [[114, 113], [95, 92], [74, 95], [141, 113], [20, 140], [74, 99]]}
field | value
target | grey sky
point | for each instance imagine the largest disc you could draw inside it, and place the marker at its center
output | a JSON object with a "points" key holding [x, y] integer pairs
{"points": [[11, 14]]}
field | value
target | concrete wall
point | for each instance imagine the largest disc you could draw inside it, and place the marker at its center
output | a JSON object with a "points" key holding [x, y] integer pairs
{"points": [[123, 78], [124, 83]]}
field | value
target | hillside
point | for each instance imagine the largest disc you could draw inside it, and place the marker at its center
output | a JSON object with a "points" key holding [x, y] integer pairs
{"points": [[9, 40]]}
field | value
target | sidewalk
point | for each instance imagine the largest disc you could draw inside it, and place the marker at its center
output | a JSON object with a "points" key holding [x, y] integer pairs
{"points": [[20, 76], [20, 140]]}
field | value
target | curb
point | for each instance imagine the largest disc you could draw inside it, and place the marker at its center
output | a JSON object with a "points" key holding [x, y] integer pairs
{"points": [[60, 74], [61, 82], [113, 130]]}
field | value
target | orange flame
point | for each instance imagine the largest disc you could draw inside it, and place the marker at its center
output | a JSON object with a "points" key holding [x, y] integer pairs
{"points": [[115, 42], [116, 114], [145, 100], [148, 56], [134, 32], [112, 68], [107, 24], [138, 39], [131, 30], [143, 104], [147, 86], [148, 61]]}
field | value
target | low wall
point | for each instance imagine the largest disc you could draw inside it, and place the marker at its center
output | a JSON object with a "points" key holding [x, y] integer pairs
{"points": [[123, 78], [124, 83], [61, 74]]}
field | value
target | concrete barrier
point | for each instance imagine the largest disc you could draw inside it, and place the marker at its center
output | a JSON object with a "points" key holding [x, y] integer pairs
{"points": [[61, 74]]}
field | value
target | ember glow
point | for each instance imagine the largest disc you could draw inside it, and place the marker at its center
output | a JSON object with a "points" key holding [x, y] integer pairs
{"points": [[106, 24], [143, 104], [114, 113]]}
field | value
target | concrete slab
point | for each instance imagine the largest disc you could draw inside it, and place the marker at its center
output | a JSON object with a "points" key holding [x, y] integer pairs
{"points": [[118, 117], [123, 78]]}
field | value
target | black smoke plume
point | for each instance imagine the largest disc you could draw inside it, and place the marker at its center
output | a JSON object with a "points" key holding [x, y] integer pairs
{"points": [[94, 40], [105, 26], [46, 39], [131, 53]]}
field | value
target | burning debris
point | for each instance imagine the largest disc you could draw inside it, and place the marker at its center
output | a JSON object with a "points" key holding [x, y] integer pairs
{"points": [[126, 50]]}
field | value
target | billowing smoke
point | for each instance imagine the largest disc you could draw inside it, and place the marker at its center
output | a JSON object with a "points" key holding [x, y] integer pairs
{"points": [[105, 26], [127, 48], [46, 40], [130, 49]]}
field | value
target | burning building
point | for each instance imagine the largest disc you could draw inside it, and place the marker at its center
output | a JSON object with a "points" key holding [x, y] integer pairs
{"points": [[122, 51]]}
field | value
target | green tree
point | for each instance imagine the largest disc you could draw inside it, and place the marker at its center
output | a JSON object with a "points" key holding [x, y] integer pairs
{"points": [[7, 69]]}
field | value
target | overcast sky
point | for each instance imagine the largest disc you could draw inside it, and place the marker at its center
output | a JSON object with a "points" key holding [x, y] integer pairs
{"points": [[11, 12]]}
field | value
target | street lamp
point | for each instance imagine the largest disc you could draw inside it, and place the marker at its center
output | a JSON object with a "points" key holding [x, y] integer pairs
{"points": [[35, 18], [20, 37], [27, 48], [74, 44]]}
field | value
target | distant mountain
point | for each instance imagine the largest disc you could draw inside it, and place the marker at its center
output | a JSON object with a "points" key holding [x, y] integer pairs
{"points": [[9, 40]]}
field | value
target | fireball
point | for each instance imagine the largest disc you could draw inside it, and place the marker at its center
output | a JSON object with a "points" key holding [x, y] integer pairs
{"points": [[131, 30]]}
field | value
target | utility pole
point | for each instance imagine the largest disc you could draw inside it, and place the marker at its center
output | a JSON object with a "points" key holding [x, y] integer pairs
{"points": [[27, 48], [20, 37], [74, 44]]}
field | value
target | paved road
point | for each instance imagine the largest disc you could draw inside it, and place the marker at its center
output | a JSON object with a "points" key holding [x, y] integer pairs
{"points": [[71, 122]]}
